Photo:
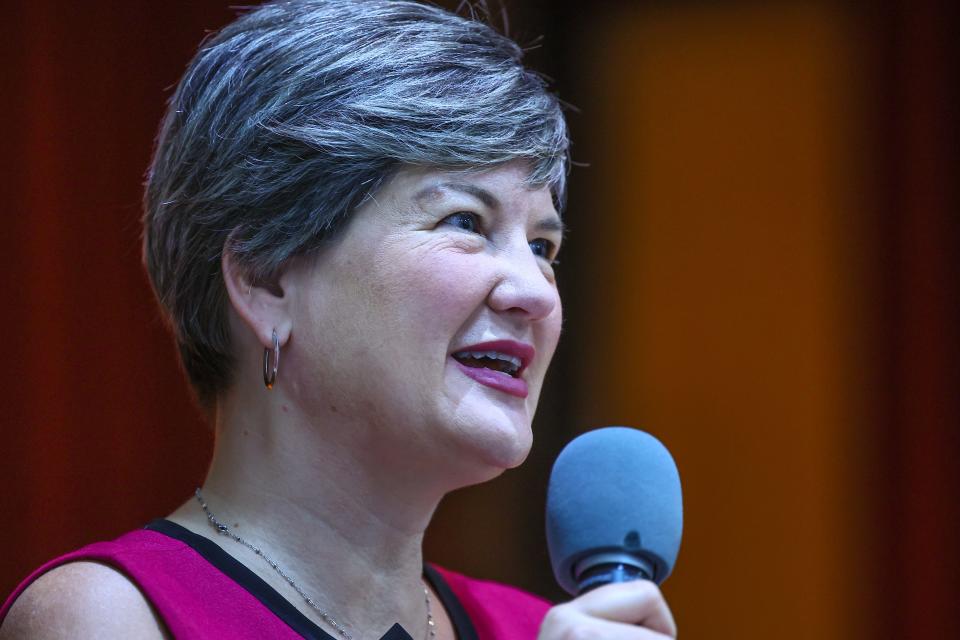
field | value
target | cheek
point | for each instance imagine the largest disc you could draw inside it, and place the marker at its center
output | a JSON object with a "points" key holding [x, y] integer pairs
{"points": [[552, 326], [556, 321], [433, 296]]}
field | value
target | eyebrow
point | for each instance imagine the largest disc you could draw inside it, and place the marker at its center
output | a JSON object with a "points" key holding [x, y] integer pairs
{"points": [[488, 199], [551, 223]]}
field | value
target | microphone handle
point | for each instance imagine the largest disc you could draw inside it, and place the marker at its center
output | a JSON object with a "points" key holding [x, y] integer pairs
{"points": [[598, 570]]}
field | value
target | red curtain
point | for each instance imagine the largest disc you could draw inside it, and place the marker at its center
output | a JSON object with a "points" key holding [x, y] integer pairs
{"points": [[99, 433], [919, 403]]}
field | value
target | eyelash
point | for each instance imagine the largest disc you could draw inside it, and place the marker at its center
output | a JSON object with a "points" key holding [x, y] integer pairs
{"points": [[465, 216], [476, 227]]}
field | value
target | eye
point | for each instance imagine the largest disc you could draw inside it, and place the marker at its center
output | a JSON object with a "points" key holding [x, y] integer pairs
{"points": [[464, 220], [543, 248]]}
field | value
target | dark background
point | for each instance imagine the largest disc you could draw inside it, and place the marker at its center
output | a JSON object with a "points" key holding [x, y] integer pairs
{"points": [[762, 270]]}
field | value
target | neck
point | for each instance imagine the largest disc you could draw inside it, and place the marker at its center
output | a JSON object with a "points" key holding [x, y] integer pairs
{"points": [[345, 522]]}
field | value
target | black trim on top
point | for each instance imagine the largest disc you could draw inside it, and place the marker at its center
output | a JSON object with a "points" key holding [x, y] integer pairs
{"points": [[282, 608], [462, 624], [236, 571]]}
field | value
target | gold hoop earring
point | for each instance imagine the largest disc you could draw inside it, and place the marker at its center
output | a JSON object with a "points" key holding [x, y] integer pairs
{"points": [[270, 372]]}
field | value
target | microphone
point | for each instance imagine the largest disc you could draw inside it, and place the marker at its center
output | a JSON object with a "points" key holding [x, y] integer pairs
{"points": [[614, 510]]}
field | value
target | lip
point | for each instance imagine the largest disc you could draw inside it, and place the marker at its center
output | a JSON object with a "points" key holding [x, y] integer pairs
{"points": [[513, 348], [495, 379]]}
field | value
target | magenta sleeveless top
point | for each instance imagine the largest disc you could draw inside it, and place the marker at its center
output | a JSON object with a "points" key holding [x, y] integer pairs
{"points": [[200, 591]]}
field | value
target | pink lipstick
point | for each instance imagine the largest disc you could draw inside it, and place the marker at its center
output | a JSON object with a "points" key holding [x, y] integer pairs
{"points": [[497, 364]]}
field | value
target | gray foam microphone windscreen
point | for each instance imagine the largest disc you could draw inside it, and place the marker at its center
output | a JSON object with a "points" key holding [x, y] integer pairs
{"points": [[613, 493]]}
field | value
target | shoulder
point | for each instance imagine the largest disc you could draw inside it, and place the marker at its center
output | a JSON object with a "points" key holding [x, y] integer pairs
{"points": [[490, 590], [81, 599], [497, 610]]}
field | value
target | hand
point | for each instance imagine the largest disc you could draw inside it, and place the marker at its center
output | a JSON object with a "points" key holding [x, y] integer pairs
{"points": [[621, 611]]}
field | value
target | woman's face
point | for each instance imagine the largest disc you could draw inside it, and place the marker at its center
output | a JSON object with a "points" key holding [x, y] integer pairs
{"points": [[429, 323]]}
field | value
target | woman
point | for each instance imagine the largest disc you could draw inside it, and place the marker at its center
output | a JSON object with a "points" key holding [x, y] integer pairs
{"points": [[350, 221]]}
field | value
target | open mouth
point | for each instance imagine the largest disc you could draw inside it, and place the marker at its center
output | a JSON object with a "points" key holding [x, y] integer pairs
{"points": [[502, 362]]}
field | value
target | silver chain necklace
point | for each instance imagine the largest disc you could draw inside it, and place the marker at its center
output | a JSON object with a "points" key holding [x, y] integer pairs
{"points": [[224, 530]]}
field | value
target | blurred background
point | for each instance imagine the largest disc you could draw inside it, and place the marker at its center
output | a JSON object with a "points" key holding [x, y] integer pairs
{"points": [[762, 271]]}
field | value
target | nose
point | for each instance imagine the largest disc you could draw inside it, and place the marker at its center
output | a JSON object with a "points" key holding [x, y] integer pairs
{"points": [[523, 287]]}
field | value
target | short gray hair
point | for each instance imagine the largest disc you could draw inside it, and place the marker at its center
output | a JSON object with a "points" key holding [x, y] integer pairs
{"points": [[289, 117]]}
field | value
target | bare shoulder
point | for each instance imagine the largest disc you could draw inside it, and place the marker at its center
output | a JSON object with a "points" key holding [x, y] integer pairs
{"points": [[82, 599]]}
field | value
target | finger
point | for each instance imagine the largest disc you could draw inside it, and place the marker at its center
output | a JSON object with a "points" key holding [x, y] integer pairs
{"points": [[622, 631], [638, 602], [575, 624]]}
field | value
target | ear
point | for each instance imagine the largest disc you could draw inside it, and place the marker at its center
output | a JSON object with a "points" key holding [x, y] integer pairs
{"points": [[262, 306]]}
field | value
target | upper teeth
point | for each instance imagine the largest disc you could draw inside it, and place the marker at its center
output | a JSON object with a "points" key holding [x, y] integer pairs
{"points": [[493, 355]]}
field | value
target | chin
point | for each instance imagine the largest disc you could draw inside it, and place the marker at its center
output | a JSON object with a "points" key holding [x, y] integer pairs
{"points": [[508, 456], [490, 432], [487, 452]]}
